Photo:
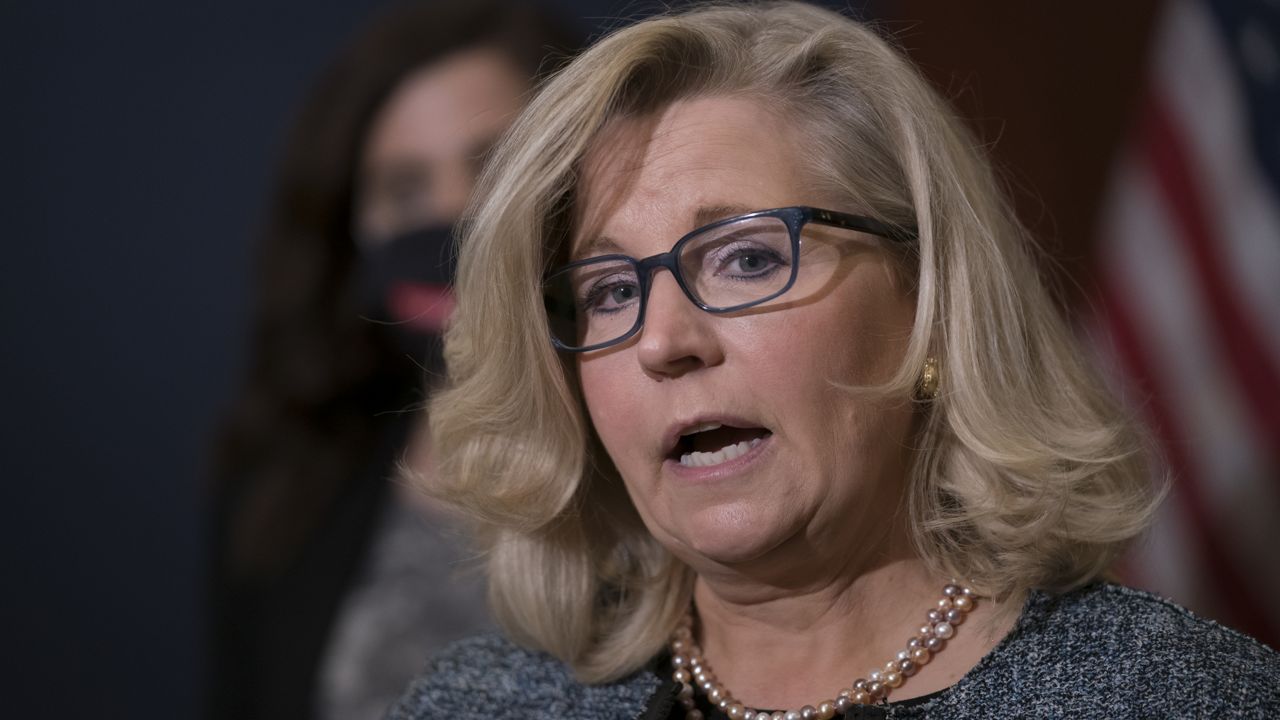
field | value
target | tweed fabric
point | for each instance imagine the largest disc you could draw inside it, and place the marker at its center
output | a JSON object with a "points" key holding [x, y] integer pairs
{"points": [[1104, 651]]}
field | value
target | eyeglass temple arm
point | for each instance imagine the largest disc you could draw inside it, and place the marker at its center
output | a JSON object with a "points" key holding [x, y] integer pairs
{"points": [[898, 233]]}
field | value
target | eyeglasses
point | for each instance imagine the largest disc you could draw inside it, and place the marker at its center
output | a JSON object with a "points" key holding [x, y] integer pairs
{"points": [[727, 266]]}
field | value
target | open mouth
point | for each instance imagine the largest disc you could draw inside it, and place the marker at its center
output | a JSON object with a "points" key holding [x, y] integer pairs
{"points": [[713, 443]]}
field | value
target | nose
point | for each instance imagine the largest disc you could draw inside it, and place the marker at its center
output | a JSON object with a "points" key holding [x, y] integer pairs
{"points": [[676, 337]]}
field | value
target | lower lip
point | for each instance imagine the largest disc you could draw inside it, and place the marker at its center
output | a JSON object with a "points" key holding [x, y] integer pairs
{"points": [[724, 470]]}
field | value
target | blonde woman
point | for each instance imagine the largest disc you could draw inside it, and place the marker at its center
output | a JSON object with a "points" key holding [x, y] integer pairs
{"points": [[761, 410]]}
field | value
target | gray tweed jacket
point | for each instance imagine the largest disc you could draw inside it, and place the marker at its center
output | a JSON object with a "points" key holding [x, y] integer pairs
{"points": [[1101, 652]]}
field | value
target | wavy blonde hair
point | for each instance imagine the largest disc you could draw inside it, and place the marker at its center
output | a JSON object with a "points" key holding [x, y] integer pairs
{"points": [[1027, 474]]}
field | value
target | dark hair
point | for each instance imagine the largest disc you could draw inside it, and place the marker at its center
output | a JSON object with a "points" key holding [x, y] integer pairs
{"points": [[305, 423]]}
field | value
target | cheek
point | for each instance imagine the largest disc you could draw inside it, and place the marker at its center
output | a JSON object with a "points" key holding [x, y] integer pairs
{"points": [[611, 404], [857, 342], [865, 343]]}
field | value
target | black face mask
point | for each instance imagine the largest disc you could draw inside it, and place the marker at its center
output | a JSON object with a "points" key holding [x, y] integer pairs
{"points": [[406, 287]]}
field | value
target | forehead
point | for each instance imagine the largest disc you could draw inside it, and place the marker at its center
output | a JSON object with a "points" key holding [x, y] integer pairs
{"points": [[661, 174], [471, 93]]}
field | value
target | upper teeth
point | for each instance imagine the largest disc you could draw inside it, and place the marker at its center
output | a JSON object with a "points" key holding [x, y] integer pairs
{"points": [[725, 454]]}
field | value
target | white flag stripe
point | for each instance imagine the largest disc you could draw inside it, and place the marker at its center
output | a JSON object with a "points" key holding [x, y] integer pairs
{"points": [[1166, 558], [1195, 74], [1154, 273], [1158, 283]]}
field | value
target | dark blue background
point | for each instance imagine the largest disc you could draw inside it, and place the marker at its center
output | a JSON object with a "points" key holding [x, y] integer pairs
{"points": [[138, 142]]}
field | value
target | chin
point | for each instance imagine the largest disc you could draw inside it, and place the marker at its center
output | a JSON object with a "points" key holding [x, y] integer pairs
{"points": [[731, 535]]}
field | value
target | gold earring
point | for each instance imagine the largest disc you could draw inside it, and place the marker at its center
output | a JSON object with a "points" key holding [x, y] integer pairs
{"points": [[928, 388]]}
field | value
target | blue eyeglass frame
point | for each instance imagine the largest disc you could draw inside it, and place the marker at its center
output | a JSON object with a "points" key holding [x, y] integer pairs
{"points": [[795, 218]]}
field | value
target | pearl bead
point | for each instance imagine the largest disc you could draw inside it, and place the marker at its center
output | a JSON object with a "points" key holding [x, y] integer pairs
{"points": [[693, 673]]}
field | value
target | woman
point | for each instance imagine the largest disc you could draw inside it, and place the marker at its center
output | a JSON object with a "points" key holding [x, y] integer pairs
{"points": [[761, 411], [330, 583]]}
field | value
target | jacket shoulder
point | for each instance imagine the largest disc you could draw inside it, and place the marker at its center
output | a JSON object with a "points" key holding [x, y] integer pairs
{"points": [[492, 678], [1111, 651], [1129, 650], [1135, 622]]}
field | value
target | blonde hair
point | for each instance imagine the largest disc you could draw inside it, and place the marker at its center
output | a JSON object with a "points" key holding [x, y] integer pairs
{"points": [[1027, 476]]}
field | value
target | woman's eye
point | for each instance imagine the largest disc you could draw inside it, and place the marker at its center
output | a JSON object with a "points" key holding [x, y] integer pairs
{"points": [[621, 294], [749, 263], [610, 296]]}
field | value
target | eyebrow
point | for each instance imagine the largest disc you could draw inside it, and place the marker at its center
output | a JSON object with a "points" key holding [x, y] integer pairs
{"points": [[708, 214], [599, 245], [704, 215]]}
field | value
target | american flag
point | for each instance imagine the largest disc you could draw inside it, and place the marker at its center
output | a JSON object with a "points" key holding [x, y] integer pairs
{"points": [[1189, 263]]}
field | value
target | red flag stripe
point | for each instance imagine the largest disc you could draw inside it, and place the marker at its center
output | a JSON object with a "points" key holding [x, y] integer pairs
{"points": [[1255, 371], [1219, 562], [1201, 87]]}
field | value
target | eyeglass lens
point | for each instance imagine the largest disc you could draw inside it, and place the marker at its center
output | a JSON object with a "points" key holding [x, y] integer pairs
{"points": [[727, 266]]}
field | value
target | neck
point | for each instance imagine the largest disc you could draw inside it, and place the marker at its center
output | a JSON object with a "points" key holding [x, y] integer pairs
{"points": [[783, 646]]}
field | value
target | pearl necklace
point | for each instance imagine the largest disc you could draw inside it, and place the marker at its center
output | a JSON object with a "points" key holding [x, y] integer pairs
{"points": [[694, 674]]}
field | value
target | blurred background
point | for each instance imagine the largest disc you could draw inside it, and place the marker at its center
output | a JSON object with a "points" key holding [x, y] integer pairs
{"points": [[142, 140]]}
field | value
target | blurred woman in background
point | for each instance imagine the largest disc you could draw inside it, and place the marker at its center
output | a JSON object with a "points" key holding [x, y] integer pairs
{"points": [[330, 586]]}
